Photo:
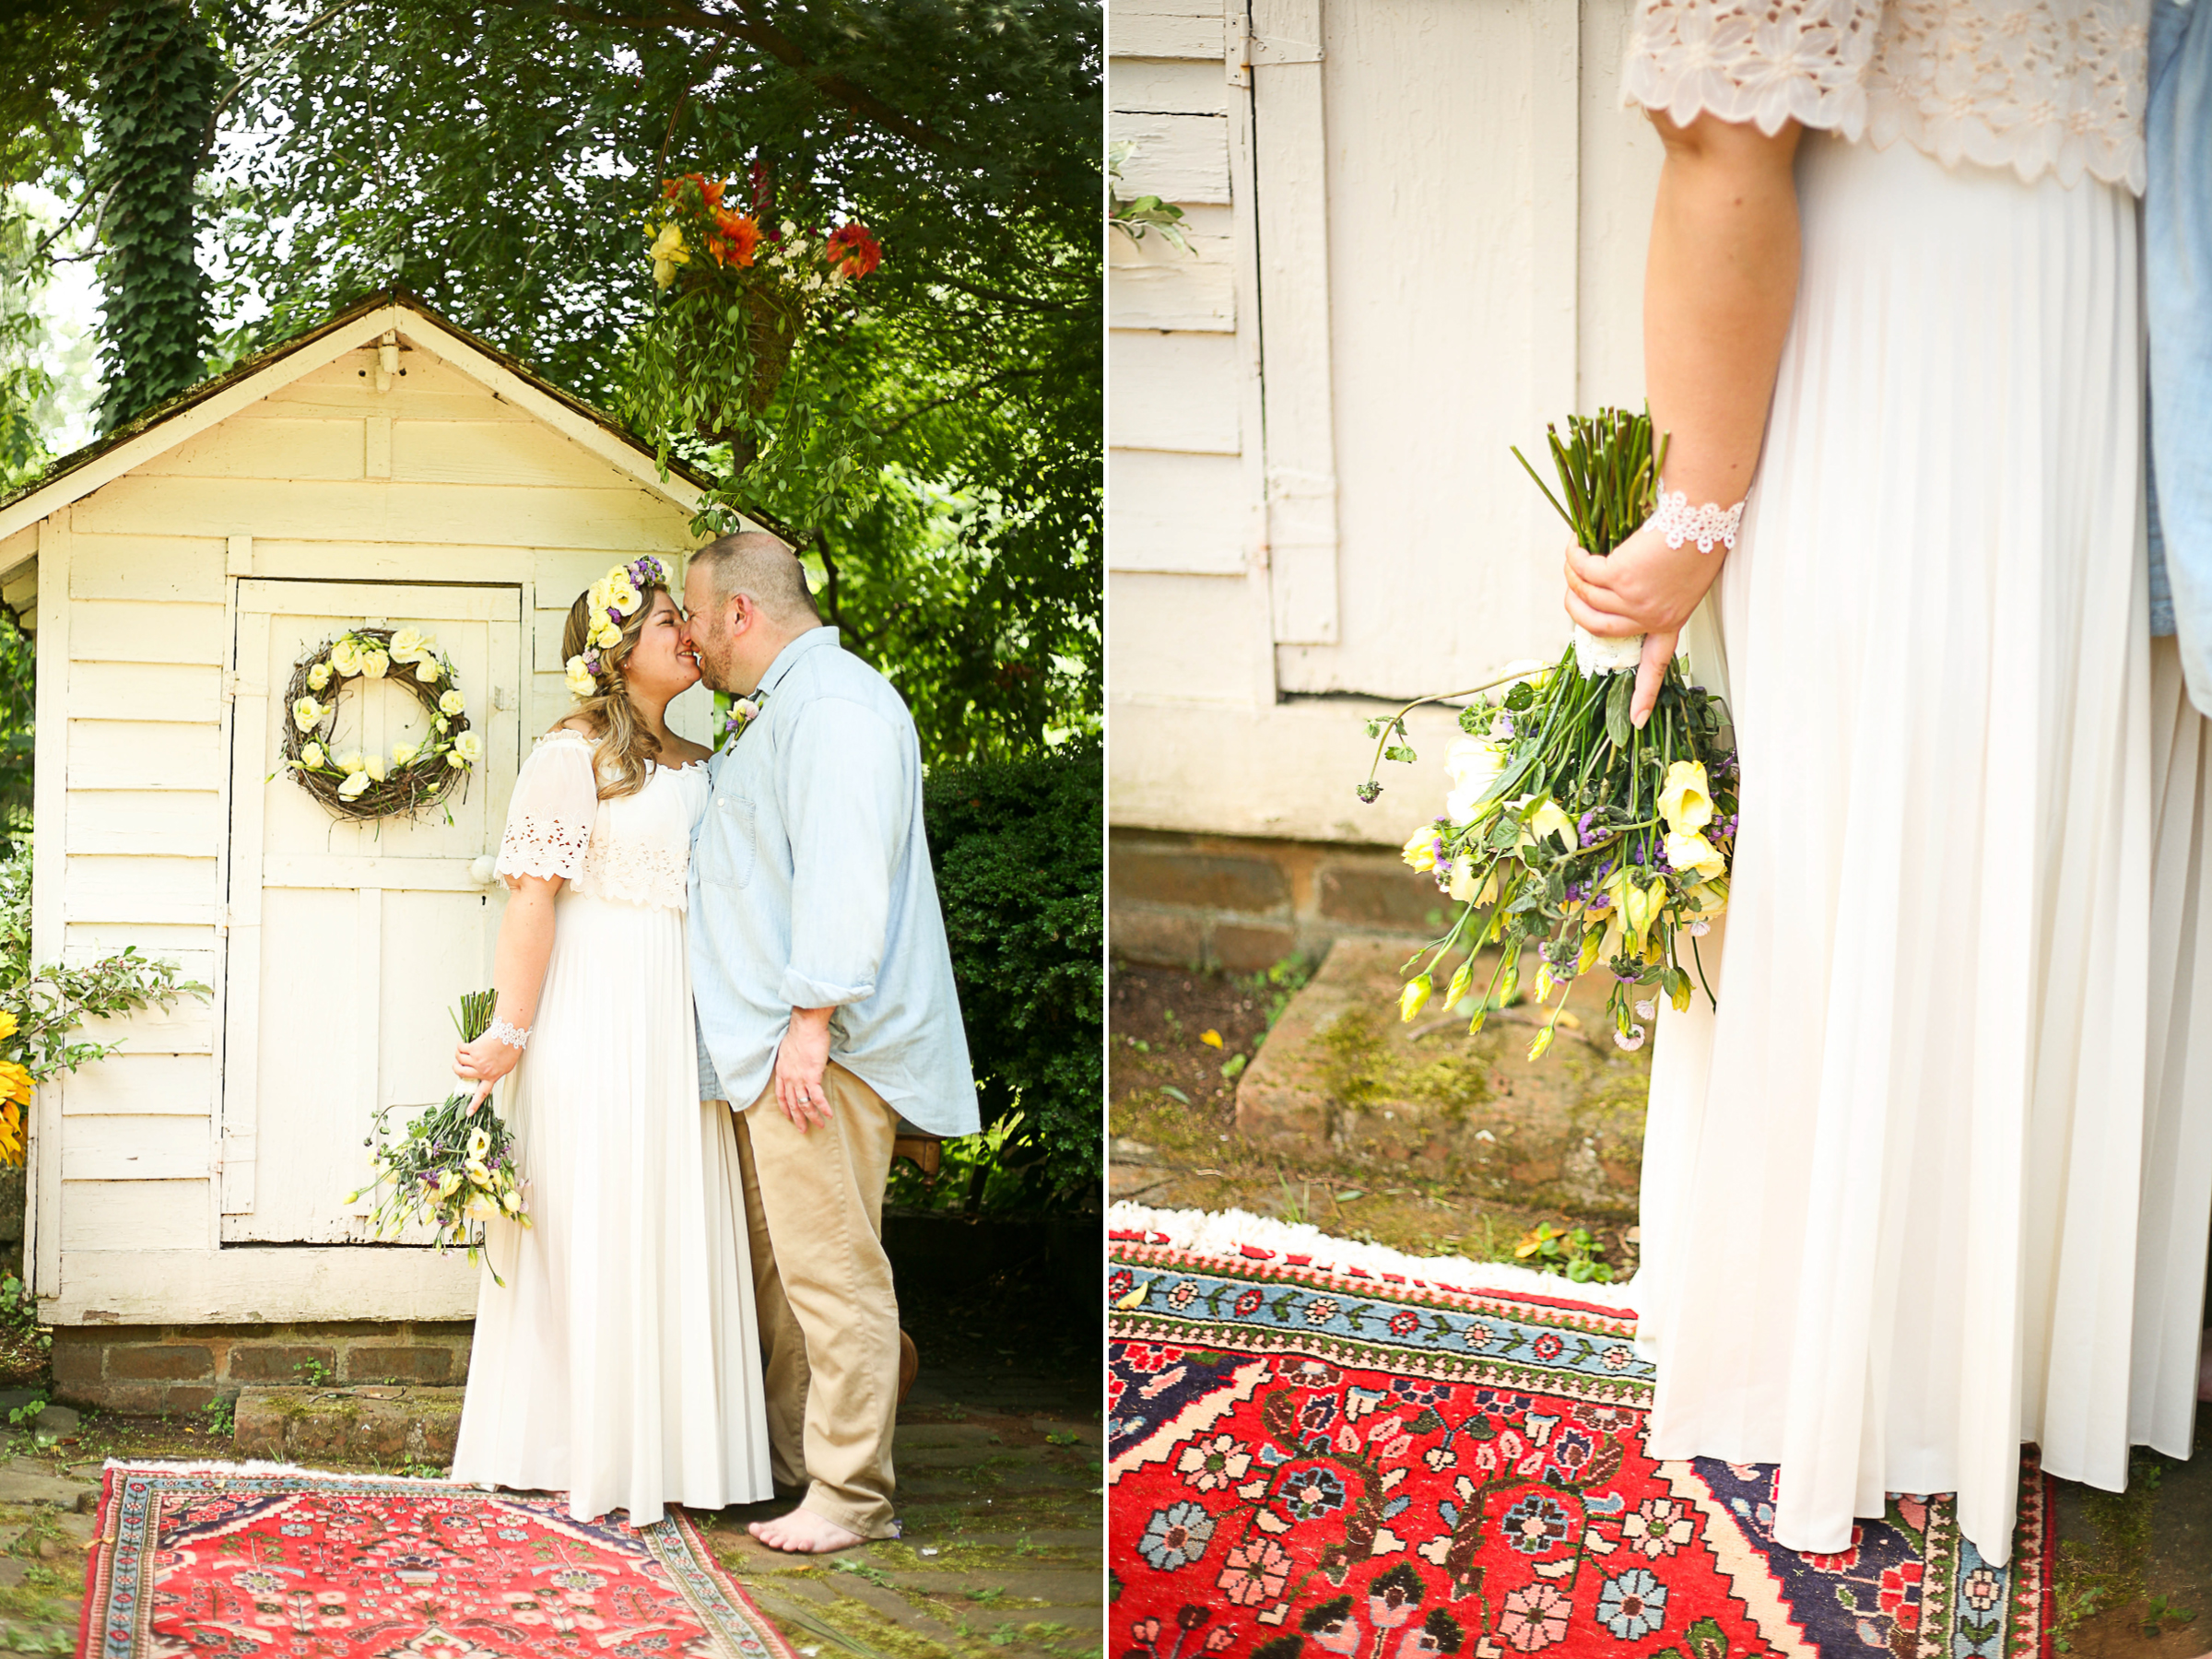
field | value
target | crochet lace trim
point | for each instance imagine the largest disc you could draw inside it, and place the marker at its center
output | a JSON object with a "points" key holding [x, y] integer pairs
{"points": [[2039, 85]]}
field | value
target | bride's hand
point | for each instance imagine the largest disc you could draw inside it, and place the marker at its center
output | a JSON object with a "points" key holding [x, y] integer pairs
{"points": [[483, 1061], [1646, 587]]}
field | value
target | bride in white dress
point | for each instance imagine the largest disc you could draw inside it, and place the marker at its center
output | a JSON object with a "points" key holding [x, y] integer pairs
{"points": [[1913, 1196], [619, 1362]]}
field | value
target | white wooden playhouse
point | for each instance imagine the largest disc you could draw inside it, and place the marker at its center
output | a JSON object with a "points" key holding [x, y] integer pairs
{"points": [[386, 468]]}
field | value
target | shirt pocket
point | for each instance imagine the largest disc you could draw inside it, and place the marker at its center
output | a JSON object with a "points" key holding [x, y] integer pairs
{"points": [[730, 847]]}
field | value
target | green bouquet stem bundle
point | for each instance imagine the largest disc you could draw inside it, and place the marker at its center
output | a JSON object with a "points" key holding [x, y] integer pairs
{"points": [[455, 1166], [1569, 834]]}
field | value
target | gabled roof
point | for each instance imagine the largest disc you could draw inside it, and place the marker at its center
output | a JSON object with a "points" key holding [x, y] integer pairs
{"points": [[165, 426]]}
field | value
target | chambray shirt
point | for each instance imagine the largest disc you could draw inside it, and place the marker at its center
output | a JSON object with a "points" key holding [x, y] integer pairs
{"points": [[811, 887], [2177, 282]]}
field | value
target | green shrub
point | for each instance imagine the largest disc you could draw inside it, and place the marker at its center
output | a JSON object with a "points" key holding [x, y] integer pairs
{"points": [[1018, 848]]}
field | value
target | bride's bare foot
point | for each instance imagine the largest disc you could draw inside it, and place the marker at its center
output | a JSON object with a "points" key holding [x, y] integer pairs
{"points": [[802, 1532]]}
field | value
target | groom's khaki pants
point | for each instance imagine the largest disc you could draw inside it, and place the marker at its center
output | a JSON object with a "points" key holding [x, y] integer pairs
{"points": [[822, 1285]]}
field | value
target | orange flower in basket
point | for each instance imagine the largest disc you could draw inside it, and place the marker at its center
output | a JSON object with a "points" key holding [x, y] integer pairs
{"points": [[710, 190], [738, 238], [854, 251]]}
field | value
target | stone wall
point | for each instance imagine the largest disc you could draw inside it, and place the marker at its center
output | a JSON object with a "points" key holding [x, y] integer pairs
{"points": [[166, 1369], [1245, 903]]}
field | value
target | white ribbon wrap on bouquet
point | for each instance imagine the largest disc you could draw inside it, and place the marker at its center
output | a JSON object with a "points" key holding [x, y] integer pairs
{"points": [[1595, 655]]}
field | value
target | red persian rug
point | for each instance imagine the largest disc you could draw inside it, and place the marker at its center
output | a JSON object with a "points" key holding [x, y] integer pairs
{"points": [[1313, 1456], [283, 1563]]}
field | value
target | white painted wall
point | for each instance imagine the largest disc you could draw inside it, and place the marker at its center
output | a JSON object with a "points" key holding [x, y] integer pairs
{"points": [[156, 734], [1409, 256]]}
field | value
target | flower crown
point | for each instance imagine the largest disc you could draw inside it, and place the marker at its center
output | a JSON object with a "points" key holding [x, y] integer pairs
{"points": [[613, 597]]}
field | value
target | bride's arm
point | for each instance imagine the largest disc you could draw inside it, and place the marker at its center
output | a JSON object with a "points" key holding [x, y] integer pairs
{"points": [[518, 974], [1719, 287]]}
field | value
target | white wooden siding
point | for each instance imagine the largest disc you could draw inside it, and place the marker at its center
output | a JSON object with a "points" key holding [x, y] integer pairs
{"points": [[457, 474], [1443, 248]]}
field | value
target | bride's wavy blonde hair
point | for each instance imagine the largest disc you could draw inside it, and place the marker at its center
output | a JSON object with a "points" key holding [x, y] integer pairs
{"points": [[623, 743]]}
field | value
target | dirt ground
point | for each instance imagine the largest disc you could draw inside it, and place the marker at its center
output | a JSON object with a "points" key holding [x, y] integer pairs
{"points": [[2133, 1575], [1172, 1100]]}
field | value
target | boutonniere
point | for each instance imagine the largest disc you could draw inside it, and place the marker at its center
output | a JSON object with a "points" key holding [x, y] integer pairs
{"points": [[741, 714]]}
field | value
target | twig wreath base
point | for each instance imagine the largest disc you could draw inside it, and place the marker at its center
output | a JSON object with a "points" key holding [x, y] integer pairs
{"points": [[419, 776]]}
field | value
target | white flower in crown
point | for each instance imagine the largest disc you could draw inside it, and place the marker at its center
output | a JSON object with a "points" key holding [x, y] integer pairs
{"points": [[579, 671], [307, 714], [318, 676], [346, 655], [354, 787], [469, 746], [408, 645], [373, 664], [451, 703]]}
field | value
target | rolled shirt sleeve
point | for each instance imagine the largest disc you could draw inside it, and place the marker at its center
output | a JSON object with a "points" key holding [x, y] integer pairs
{"points": [[846, 794]]}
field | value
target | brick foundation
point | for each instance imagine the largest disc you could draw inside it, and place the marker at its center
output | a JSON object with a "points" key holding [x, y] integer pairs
{"points": [[161, 1370], [1245, 903]]}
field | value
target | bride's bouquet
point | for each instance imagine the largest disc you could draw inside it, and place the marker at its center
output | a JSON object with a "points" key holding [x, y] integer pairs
{"points": [[1567, 832], [454, 1167]]}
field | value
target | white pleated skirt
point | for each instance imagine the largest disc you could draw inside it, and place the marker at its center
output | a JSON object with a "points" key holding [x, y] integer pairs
{"points": [[1894, 1188], [621, 1361]]}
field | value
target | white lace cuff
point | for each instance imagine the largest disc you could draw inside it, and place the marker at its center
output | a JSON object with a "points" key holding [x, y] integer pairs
{"points": [[1712, 526], [547, 847]]}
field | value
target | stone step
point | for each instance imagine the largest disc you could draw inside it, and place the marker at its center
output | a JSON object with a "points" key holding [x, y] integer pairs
{"points": [[399, 1423], [1342, 1076]]}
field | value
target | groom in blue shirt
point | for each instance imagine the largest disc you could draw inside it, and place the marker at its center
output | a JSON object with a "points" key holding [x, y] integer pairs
{"points": [[826, 1010]]}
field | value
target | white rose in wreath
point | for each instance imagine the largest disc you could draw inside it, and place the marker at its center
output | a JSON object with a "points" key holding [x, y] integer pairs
{"points": [[374, 766], [429, 671], [470, 747], [451, 703], [350, 762], [318, 676], [403, 752], [373, 664], [406, 645], [307, 714], [354, 787], [314, 756], [346, 655]]}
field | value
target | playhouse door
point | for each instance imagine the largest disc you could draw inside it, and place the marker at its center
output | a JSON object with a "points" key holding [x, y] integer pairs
{"points": [[351, 940]]}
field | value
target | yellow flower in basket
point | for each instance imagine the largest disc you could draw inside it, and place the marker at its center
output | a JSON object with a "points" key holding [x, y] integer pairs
{"points": [[666, 252], [11, 1136], [7, 1026], [15, 1082]]}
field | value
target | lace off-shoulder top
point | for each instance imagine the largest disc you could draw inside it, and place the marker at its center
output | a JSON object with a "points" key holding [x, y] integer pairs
{"points": [[2039, 85], [634, 849]]}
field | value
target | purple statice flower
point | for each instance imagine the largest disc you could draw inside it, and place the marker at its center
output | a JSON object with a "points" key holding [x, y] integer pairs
{"points": [[1443, 875]]}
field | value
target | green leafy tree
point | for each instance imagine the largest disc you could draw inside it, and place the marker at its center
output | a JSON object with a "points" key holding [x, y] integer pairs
{"points": [[937, 453], [155, 72]]}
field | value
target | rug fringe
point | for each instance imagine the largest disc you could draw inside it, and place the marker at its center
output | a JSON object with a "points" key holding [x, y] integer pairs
{"points": [[1223, 1233], [180, 1465]]}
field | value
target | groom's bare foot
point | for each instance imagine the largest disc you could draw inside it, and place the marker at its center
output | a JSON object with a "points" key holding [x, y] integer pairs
{"points": [[802, 1532]]}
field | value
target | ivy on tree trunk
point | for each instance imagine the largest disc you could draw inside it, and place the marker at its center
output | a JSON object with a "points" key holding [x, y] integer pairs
{"points": [[153, 74]]}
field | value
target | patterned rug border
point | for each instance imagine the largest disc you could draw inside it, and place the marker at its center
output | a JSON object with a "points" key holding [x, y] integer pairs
{"points": [[709, 1585], [1228, 1233]]}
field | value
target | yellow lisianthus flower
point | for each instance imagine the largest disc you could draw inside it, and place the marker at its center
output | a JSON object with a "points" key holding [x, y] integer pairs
{"points": [[403, 752], [307, 714], [1414, 997], [469, 746], [318, 676], [1420, 848], [346, 655], [581, 684], [1460, 981], [1463, 886], [406, 645], [1688, 850], [1473, 764], [449, 1183], [374, 663], [354, 787], [1548, 819], [451, 703], [429, 671], [314, 756], [1685, 798]]}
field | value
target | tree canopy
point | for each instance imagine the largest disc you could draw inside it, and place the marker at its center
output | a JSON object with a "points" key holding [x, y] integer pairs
{"points": [[938, 452]]}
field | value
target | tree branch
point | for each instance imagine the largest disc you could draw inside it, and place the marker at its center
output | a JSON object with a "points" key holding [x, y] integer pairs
{"points": [[1005, 299], [775, 43], [288, 44], [939, 402]]}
